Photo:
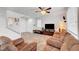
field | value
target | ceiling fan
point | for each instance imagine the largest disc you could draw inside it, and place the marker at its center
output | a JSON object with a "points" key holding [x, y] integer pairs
{"points": [[44, 10]]}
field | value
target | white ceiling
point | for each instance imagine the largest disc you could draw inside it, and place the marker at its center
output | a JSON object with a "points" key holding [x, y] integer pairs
{"points": [[30, 11]]}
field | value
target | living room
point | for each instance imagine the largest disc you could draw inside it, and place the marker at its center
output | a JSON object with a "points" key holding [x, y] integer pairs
{"points": [[19, 23]]}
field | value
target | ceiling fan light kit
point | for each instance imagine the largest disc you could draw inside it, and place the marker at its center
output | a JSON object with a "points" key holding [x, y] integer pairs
{"points": [[44, 10]]}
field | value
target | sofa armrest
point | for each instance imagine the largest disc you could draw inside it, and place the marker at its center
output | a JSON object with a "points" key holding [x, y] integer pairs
{"points": [[18, 41]]}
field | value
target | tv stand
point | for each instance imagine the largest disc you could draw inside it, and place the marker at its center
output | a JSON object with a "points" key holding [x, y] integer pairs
{"points": [[43, 32]]}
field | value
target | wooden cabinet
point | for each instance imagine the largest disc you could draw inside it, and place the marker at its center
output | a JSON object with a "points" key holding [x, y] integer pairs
{"points": [[43, 32]]}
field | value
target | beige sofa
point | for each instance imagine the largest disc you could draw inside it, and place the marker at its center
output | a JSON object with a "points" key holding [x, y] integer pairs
{"points": [[6, 44], [62, 42], [22, 46]]}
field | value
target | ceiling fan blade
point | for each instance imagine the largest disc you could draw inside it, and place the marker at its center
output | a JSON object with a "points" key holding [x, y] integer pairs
{"points": [[64, 17], [47, 11], [49, 8], [37, 11], [40, 8]]}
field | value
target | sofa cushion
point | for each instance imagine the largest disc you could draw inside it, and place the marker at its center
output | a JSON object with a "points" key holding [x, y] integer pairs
{"points": [[59, 36], [30, 47], [61, 39], [75, 47], [64, 47], [68, 43], [50, 48], [54, 43], [56, 34], [18, 41], [21, 45]]}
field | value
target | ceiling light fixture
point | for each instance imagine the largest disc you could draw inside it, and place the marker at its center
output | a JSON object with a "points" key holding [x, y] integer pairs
{"points": [[43, 12]]}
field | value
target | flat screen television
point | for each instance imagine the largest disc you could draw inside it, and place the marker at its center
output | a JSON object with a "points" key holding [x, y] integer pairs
{"points": [[49, 26]]}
